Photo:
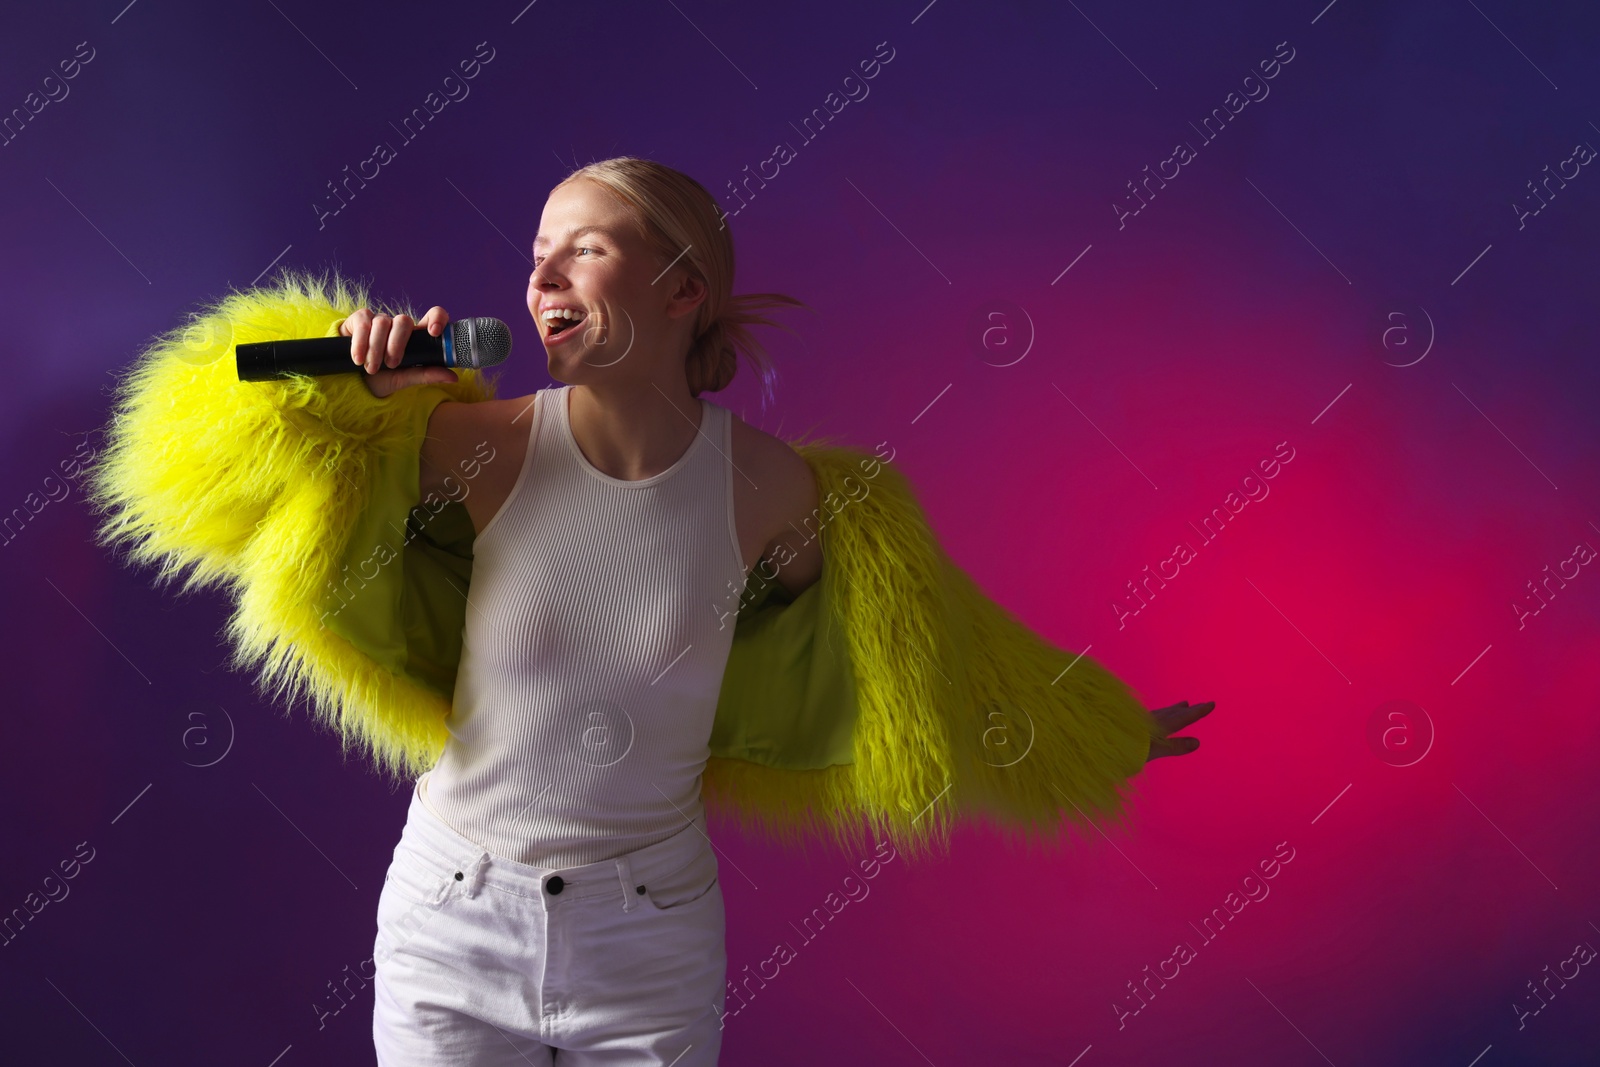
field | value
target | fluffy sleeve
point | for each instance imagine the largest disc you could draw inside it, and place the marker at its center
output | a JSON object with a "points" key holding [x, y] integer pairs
{"points": [[966, 714], [256, 488], [893, 698]]}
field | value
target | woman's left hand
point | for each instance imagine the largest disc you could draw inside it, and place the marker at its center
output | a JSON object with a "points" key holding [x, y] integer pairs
{"points": [[1175, 718]]}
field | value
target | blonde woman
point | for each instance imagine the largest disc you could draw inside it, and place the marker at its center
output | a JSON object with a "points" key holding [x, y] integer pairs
{"points": [[553, 893], [554, 897]]}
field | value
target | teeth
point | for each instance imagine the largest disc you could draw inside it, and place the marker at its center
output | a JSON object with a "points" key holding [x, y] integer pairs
{"points": [[559, 319]]}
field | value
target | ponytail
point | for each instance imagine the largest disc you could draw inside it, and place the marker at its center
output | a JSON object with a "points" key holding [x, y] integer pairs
{"points": [[713, 357]]}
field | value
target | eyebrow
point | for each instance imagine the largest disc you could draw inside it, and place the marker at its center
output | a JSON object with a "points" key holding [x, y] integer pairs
{"points": [[579, 232]]}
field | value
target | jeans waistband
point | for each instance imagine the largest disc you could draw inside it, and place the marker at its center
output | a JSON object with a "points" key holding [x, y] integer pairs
{"points": [[603, 877]]}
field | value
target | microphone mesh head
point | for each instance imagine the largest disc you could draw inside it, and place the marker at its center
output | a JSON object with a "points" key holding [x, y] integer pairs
{"points": [[480, 342]]}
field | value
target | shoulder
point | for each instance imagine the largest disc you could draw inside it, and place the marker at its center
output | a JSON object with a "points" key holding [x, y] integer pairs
{"points": [[462, 431], [454, 418], [784, 495], [779, 472]]}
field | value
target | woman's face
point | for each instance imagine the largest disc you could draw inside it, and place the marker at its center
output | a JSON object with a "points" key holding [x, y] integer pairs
{"points": [[589, 257]]}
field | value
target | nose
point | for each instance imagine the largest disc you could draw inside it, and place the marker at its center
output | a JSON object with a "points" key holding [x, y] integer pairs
{"points": [[545, 278]]}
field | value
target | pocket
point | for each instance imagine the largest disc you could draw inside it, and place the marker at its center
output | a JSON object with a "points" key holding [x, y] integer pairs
{"points": [[690, 884], [417, 877], [415, 888]]}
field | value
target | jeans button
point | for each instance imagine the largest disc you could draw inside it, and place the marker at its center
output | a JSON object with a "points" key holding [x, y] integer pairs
{"points": [[555, 884]]}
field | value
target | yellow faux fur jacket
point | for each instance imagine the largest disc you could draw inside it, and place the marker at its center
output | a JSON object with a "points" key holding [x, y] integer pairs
{"points": [[890, 698]]}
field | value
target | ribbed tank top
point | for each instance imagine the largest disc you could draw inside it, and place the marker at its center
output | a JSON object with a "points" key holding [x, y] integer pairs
{"points": [[598, 627]]}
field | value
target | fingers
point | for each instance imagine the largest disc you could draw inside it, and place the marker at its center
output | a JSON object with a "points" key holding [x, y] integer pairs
{"points": [[1174, 746], [386, 341], [399, 332], [356, 327], [1175, 718], [435, 320], [1181, 714], [378, 341]]}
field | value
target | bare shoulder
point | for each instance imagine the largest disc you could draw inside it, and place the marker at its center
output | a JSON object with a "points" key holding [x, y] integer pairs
{"points": [[451, 418], [779, 494], [464, 435], [781, 475]]}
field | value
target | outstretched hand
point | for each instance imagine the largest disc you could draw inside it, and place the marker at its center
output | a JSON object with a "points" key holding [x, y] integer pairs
{"points": [[1172, 719]]}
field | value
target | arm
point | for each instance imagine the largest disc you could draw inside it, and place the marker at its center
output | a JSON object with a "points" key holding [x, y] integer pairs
{"points": [[378, 342], [798, 562], [795, 552], [257, 488]]}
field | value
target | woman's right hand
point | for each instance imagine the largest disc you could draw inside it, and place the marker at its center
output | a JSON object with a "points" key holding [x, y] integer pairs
{"points": [[377, 343]]}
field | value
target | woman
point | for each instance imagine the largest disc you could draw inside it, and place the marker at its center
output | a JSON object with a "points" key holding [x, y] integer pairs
{"points": [[554, 888], [621, 509]]}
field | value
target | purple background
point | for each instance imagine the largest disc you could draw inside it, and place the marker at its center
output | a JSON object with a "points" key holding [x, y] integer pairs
{"points": [[1267, 294]]}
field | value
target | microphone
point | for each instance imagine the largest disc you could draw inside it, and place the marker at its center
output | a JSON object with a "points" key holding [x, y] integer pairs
{"points": [[474, 343]]}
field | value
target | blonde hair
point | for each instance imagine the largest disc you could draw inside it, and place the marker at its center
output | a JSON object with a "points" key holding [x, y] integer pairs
{"points": [[682, 225]]}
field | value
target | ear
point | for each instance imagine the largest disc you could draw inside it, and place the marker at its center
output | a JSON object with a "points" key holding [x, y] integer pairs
{"points": [[688, 293]]}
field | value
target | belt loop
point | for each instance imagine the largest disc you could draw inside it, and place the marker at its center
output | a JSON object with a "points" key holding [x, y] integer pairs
{"points": [[625, 876], [474, 875]]}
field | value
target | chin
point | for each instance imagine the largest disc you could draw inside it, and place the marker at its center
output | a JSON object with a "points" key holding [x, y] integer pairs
{"points": [[557, 368], [567, 370]]}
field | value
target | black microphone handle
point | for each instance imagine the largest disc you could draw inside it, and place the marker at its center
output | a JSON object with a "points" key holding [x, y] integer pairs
{"points": [[265, 360]]}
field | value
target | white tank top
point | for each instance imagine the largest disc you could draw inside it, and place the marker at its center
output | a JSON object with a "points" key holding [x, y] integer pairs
{"points": [[598, 626]]}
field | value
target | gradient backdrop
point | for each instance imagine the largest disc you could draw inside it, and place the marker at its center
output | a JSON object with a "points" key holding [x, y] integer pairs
{"points": [[1382, 267]]}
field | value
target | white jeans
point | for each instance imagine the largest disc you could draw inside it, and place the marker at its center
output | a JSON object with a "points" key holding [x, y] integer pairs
{"points": [[484, 961]]}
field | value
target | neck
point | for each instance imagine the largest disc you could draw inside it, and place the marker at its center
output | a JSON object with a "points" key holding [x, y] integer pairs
{"points": [[633, 431]]}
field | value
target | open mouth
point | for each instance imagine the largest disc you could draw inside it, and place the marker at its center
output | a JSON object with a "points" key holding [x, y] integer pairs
{"points": [[559, 321]]}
